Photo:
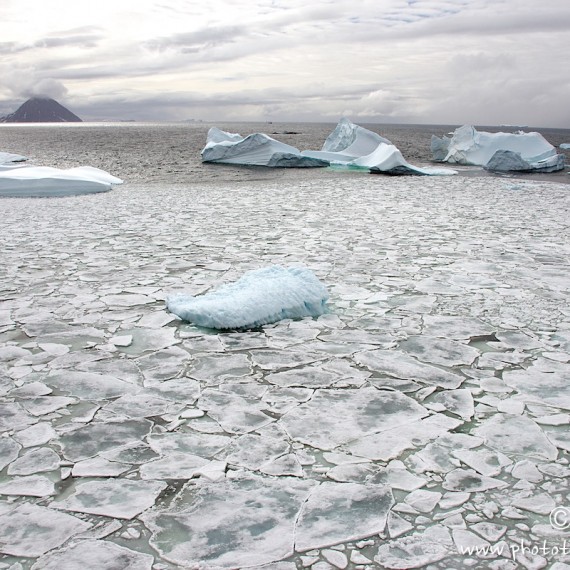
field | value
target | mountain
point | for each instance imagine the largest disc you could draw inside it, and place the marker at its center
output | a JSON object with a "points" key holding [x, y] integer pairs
{"points": [[41, 110]]}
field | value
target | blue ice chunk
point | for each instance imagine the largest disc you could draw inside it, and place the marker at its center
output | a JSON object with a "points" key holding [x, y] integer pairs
{"points": [[259, 297]]}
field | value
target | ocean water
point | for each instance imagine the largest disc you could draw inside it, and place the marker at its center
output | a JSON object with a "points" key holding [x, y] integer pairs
{"points": [[425, 414], [170, 153]]}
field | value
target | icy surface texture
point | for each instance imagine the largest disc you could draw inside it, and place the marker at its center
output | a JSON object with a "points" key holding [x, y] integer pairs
{"points": [[257, 149], [40, 181], [426, 412], [94, 554], [259, 297], [498, 151]]}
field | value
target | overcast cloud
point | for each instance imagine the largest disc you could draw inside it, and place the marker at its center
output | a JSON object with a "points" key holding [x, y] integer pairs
{"points": [[427, 61]]}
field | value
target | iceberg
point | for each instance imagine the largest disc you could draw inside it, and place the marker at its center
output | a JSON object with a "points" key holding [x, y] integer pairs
{"points": [[348, 146], [40, 181], [565, 146], [257, 149], [259, 297], [525, 151], [7, 158], [348, 142], [352, 146]]}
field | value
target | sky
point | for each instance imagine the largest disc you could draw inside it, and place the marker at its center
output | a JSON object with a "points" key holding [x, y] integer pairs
{"points": [[482, 62]]}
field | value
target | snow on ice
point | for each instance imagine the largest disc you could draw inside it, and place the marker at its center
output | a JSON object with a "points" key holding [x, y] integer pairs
{"points": [[425, 412]]}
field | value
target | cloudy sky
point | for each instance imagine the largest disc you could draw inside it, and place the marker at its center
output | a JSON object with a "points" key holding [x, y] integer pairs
{"points": [[425, 61]]}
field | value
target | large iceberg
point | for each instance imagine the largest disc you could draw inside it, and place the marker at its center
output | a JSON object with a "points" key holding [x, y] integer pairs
{"points": [[259, 297], [257, 149], [40, 181], [348, 146], [498, 151]]}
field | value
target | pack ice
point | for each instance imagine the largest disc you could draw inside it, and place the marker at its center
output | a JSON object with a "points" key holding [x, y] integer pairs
{"points": [[504, 152], [39, 181], [260, 297], [348, 146], [425, 414]]}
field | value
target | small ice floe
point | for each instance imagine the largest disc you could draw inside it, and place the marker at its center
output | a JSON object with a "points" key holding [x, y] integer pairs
{"points": [[502, 152], [43, 181], [94, 554], [417, 550], [30, 530], [123, 499], [259, 297]]}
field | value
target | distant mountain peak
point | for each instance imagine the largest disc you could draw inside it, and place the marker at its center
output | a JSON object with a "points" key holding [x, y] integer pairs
{"points": [[41, 110]]}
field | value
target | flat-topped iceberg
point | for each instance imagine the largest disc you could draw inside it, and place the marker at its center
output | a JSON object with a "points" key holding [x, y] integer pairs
{"points": [[7, 158], [259, 297], [42, 181], [257, 149], [497, 151], [348, 146]]}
